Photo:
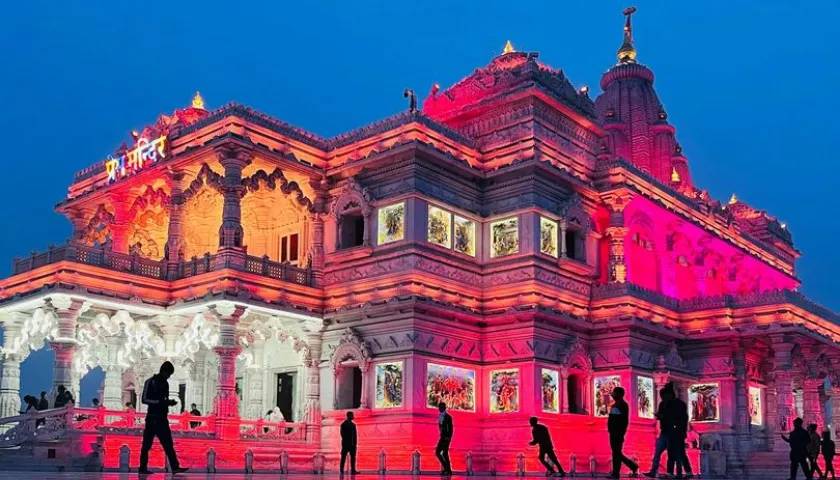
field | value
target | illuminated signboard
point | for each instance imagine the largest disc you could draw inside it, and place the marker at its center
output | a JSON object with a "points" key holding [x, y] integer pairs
{"points": [[144, 152]]}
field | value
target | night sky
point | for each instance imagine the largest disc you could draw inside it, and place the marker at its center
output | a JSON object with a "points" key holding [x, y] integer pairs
{"points": [[750, 87]]}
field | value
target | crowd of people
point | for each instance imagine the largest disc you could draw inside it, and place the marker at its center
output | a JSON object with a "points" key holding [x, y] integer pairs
{"points": [[62, 398], [805, 449]]}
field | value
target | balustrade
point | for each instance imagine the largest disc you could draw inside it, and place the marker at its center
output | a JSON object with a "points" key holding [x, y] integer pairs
{"points": [[101, 257]]}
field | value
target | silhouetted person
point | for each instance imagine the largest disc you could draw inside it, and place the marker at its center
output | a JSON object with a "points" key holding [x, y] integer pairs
{"points": [[828, 454], [798, 441], [664, 414], [541, 436], [814, 449], [349, 441], [62, 397], [446, 429], [95, 403], [156, 396], [678, 412], [194, 411], [43, 403], [31, 403], [617, 422]]}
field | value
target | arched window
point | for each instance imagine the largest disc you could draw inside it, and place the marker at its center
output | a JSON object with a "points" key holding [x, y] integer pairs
{"points": [[350, 362], [575, 390], [351, 212]]}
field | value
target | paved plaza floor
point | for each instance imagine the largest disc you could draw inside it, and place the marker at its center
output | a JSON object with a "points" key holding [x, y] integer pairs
{"points": [[259, 476]]}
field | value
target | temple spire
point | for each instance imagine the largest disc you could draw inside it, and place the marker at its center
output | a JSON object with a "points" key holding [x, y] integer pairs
{"points": [[508, 48], [627, 52], [198, 101]]}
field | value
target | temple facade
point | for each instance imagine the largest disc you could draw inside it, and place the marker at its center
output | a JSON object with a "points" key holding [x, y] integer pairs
{"points": [[511, 247]]}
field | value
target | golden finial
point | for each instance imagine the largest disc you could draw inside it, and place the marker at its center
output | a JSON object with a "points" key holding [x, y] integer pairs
{"points": [[627, 52], [508, 48], [733, 199], [675, 175], [197, 101]]}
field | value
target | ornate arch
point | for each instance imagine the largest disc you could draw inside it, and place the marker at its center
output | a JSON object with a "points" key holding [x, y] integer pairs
{"points": [[574, 214], [352, 195], [206, 177], [350, 347], [274, 180], [149, 228], [577, 357], [97, 232]]}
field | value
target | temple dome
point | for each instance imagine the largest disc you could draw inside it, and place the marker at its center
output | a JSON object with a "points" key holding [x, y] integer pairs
{"points": [[636, 122]]}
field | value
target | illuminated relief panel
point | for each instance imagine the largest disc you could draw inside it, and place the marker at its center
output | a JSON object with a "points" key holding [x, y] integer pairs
{"points": [[504, 391], [644, 397], [602, 391], [389, 385], [391, 221], [704, 402], [548, 237], [550, 397], [202, 216], [439, 227], [451, 385], [756, 417], [464, 236], [272, 223], [504, 237]]}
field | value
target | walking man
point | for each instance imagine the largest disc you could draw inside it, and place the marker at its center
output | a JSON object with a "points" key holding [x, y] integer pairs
{"points": [[617, 422], [798, 441], [676, 438], [442, 449], [156, 396], [541, 436], [349, 441], [666, 424]]}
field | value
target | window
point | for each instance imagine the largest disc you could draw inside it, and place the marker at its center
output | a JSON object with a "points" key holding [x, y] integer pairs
{"points": [[439, 227], [289, 248], [391, 226], [574, 394], [464, 236], [504, 237], [548, 237], [351, 230]]}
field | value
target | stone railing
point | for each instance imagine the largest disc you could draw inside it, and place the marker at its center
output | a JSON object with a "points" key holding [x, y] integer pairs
{"points": [[54, 424], [770, 297], [145, 267]]}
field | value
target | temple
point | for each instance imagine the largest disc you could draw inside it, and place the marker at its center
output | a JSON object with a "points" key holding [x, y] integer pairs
{"points": [[510, 246]]}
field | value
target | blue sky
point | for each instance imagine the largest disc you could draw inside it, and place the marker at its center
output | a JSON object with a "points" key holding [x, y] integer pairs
{"points": [[750, 86]]}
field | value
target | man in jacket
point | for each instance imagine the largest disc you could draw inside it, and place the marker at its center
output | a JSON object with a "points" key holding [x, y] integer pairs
{"points": [[156, 396], [798, 440], [349, 440], [446, 429], [541, 436], [617, 422], [676, 440]]}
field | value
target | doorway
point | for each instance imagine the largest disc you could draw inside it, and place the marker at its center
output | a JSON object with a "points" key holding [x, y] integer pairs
{"points": [[286, 395]]}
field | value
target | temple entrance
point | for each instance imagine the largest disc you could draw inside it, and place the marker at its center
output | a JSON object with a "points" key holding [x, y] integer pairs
{"points": [[286, 395]]}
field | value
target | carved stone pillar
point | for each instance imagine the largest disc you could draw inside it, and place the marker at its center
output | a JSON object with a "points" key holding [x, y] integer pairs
{"points": [[226, 404], [255, 382], [771, 413], [64, 343], [563, 247], [233, 159], [112, 387], [312, 365], [563, 390], [317, 249], [835, 411], [742, 395], [782, 347], [174, 242], [119, 228], [10, 379], [811, 402]]}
